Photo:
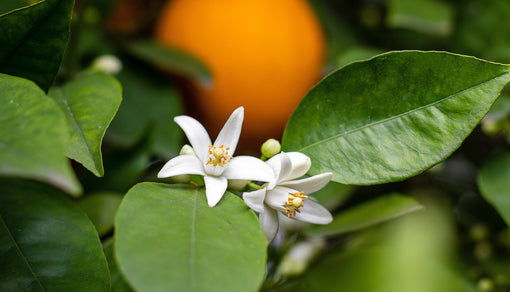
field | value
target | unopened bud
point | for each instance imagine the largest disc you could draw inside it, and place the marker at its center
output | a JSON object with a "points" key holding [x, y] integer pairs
{"points": [[187, 150], [107, 63], [270, 148], [237, 184]]}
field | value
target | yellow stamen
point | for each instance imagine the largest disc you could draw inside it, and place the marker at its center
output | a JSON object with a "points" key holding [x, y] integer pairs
{"points": [[294, 202], [218, 156]]}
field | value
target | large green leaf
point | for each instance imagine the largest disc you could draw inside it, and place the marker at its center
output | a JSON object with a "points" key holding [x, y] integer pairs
{"points": [[33, 40], [393, 116], [494, 184], [367, 214], [169, 239], [46, 242], [89, 103], [33, 135]]}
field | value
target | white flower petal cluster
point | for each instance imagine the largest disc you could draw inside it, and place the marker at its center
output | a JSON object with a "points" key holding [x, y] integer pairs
{"points": [[284, 195], [215, 161]]}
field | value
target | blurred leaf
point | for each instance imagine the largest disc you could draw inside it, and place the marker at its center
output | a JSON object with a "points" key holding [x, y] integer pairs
{"points": [[494, 184], [413, 253], [333, 195], [428, 16], [33, 135], [101, 209], [483, 29], [171, 59], [89, 104], [33, 40], [393, 116], [7, 6], [46, 242], [169, 239], [118, 282], [367, 214], [149, 102]]}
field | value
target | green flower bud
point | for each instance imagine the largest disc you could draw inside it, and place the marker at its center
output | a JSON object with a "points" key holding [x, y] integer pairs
{"points": [[270, 148], [187, 150]]}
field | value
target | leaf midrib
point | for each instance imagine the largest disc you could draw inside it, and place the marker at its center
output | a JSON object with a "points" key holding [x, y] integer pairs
{"points": [[11, 237], [399, 115]]}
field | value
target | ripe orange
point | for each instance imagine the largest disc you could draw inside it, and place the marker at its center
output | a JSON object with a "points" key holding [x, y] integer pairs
{"points": [[263, 54]]}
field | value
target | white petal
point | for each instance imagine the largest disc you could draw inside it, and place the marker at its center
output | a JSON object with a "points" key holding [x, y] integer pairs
{"points": [[247, 167], [182, 164], [309, 185], [229, 134], [300, 165], [313, 212], [283, 172], [215, 188], [277, 197], [196, 134], [255, 199], [269, 222]]}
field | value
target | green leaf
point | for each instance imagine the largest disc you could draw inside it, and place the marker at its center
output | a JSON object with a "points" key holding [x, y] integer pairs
{"points": [[494, 183], [101, 208], [33, 135], [169, 239], [33, 40], [172, 60], [46, 242], [89, 103], [118, 282], [428, 16], [367, 214], [149, 102], [393, 116]]}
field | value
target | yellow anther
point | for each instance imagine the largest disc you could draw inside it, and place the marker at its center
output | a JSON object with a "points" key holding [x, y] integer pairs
{"points": [[218, 155], [294, 202]]}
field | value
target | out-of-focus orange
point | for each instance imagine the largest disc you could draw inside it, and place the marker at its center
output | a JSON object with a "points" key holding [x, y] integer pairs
{"points": [[263, 54]]}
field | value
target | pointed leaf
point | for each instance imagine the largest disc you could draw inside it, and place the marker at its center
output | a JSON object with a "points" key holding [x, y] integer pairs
{"points": [[367, 214], [33, 40], [89, 103], [494, 184], [169, 239], [46, 242], [393, 116], [33, 135]]}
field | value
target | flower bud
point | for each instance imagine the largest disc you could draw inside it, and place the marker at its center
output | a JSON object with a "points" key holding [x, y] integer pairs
{"points": [[107, 63], [184, 178], [270, 148], [187, 150], [237, 184]]}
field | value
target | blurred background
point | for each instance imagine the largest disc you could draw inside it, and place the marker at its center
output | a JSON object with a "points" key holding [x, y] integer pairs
{"points": [[207, 57]]}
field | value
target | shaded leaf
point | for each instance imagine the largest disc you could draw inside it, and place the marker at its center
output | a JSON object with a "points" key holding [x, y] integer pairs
{"points": [[33, 40], [367, 214], [172, 60], [169, 239], [393, 116], [89, 103], [46, 242], [428, 16], [101, 208], [118, 282], [494, 184], [33, 135]]}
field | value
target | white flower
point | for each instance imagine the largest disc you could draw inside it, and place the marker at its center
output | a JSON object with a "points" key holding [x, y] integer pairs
{"points": [[215, 161], [284, 195]]}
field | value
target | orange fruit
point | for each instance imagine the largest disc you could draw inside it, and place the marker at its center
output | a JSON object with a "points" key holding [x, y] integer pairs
{"points": [[263, 54]]}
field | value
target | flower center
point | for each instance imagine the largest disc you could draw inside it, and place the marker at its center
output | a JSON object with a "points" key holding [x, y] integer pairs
{"points": [[218, 156], [294, 202]]}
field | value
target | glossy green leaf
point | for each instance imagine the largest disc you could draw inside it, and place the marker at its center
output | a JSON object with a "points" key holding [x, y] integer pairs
{"points": [[89, 103], [33, 135], [149, 102], [101, 208], [172, 60], [169, 239], [7, 6], [393, 116], [368, 214], [33, 40], [46, 242], [428, 16], [494, 184]]}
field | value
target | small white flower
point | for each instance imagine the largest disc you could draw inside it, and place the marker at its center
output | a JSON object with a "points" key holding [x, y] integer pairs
{"points": [[284, 195], [215, 161]]}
